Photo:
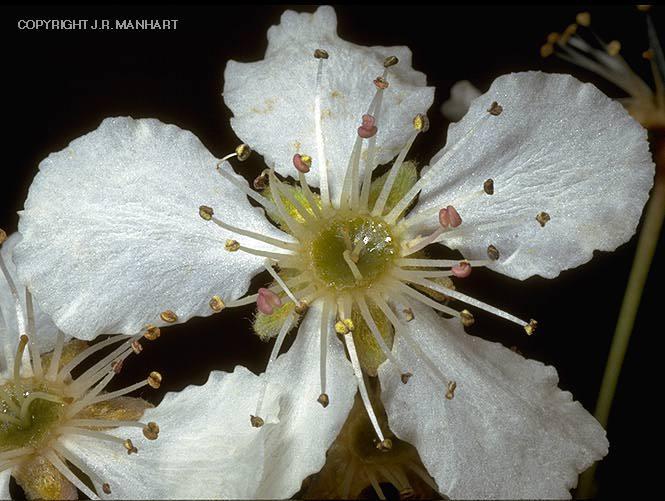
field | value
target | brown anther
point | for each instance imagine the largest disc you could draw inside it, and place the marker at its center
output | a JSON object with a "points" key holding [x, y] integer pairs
{"points": [[613, 47], [421, 122], [385, 445], [644, 8], [216, 304], [408, 314], [243, 152], [467, 318], [155, 380], [206, 212], [492, 253], [530, 328], [488, 186], [450, 390], [302, 163], [130, 447], [256, 421], [169, 316], [568, 32], [152, 332], [3, 236], [321, 54], [151, 431], [542, 218], [137, 347], [495, 109], [546, 50], [324, 400], [261, 182], [116, 366], [648, 55], [405, 377], [553, 37], [106, 488], [301, 307], [390, 61], [232, 245], [583, 19], [381, 83]]}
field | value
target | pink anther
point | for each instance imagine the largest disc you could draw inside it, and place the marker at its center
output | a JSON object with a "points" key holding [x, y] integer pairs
{"points": [[367, 129], [461, 270], [449, 217], [381, 83], [267, 301], [300, 164]]}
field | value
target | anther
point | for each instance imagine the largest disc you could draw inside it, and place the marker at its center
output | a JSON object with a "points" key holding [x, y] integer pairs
{"points": [[583, 19], [381, 83], [324, 400], [130, 447], [461, 270], [568, 33], [206, 212], [169, 316], [488, 186], [231, 245], [3, 236], [267, 301], [344, 326], [151, 431], [449, 217], [542, 218], [256, 421], [216, 304], [553, 37], [106, 488], [450, 390], [367, 129], [492, 252], [302, 307], [613, 47], [243, 152], [546, 50], [408, 314], [644, 8], [421, 122], [405, 377], [530, 328], [495, 109], [390, 61], [155, 380], [116, 366], [648, 55], [302, 163], [261, 182], [152, 332], [137, 347], [385, 445], [467, 318], [321, 54]]}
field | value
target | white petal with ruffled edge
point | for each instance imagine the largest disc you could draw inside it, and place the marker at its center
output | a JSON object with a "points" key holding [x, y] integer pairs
{"points": [[45, 329], [112, 234], [5, 477], [273, 100], [560, 147], [461, 95], [305, 430], [509, 432], [206, 446]]}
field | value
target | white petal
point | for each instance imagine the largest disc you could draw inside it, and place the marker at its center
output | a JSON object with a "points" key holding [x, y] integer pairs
{"points": [[112, 234], [45, 329], [305, 430], [509, 432], [5, 477], [273, 100], [560, 147], [206, 446], [461, 95]]}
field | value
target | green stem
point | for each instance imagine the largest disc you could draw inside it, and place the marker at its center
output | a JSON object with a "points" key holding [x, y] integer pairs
{"points": [[646, 247]]}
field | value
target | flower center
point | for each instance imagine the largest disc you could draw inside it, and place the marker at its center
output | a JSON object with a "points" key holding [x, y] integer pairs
{"points": [[352, 251]]}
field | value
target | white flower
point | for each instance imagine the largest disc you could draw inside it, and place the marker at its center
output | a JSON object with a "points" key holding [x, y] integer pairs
{"points": [[542, 171], [56, 420]]}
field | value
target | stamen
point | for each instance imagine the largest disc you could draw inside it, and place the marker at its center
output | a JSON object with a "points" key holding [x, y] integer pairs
{"points": [[354, 268], [267, 301], [169, 316], [251, 234], [462, 270], [242, 186], [66, 370], [20, 315], [488, 186], [294, 226], [96, 479], [303, 163], [297, 205], [286, 327], [321, 55], [405, 289], [437, 263], [52, 372], [67, 473], [353, 355], [36, 358], [323, 399], [542, 218], [23, 342], [448, 218], [280, 282], [153, 380], [275, 256]]}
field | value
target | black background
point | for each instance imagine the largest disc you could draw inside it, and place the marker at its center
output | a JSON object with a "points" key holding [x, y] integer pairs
{"points": [[57, 85]]}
